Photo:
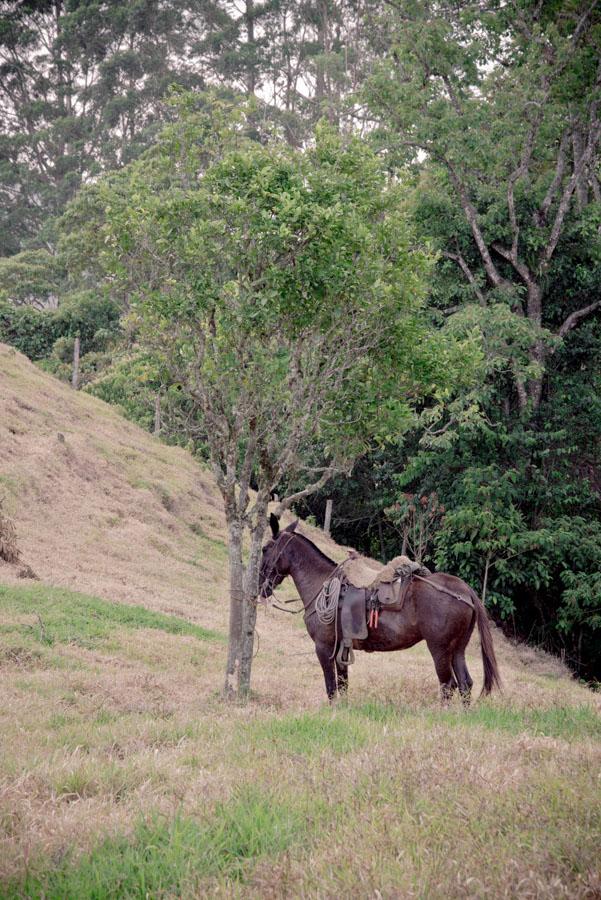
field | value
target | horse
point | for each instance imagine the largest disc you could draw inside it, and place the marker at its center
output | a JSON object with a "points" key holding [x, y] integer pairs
{"points": [[432, 611]]}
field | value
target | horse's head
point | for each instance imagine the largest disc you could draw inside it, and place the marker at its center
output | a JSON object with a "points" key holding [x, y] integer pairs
{"points": [[275, 564]]}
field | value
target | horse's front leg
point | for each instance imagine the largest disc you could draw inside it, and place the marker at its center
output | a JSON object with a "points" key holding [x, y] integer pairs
{"points": [[342, 679], [324, 655]]}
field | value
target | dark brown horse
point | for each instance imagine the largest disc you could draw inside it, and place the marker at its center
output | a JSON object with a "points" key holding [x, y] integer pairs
{"points": [[429, 613]]}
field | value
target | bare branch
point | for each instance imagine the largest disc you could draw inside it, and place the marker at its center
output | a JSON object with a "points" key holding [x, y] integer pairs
{"points": [[520, 267], [287, 502], [452, 95], [540, 216], [594, 132], [472, 218], [575, 317], [520, 172]]}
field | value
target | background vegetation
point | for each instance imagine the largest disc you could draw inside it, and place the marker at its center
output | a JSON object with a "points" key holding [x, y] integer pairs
{"points": [[487, 116]]}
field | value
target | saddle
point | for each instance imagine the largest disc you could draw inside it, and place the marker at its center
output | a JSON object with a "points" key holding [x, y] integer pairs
{"points": [[368, 587]]}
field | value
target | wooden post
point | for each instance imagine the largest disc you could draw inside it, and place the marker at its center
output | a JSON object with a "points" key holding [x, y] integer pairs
{"points": [[75, 376], [157, 414], [328, 517], [485, 579]]}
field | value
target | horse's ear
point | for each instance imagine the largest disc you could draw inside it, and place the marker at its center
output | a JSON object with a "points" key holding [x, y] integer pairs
{"points": [[274, 524], [292, 526]]}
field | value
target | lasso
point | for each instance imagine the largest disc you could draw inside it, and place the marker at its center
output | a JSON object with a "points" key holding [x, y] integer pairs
{"points": [[326, 602]]}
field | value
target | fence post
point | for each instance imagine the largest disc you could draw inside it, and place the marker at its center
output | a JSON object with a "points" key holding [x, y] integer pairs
{"points": [[75, 376], [157, 414]]}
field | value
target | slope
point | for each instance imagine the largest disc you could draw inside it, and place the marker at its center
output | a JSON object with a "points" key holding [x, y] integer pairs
{"points": [[122, 773]]}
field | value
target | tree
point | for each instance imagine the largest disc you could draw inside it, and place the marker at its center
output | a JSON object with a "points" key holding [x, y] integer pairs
{"points": [[80, 91], [504, 101], [304, 59], [282, 291]]}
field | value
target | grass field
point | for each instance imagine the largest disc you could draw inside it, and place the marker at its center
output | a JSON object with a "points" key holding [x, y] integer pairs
{"points": [[123, 775]]}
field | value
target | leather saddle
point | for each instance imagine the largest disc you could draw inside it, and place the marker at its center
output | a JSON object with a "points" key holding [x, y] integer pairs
{"points": [[358, 604]]}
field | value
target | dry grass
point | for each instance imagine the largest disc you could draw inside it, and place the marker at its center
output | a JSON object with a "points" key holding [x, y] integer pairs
{"points": [[383, 797]]}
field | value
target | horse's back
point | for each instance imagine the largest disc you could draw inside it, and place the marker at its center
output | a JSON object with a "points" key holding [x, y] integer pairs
{"points": [[451, 583], [443, 603]]}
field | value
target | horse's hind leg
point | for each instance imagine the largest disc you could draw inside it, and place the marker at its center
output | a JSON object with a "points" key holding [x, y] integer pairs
{"points": [[464, 679], [444, 670], [324, 655]]}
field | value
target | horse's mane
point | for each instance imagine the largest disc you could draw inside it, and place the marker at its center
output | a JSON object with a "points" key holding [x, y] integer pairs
{"points": [[315, 547]]}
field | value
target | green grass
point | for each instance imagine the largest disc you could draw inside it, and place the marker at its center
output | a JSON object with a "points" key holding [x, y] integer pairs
{"points": [[64, 616], [309, 734], [170, 858], [382, 713], [567, 722]]}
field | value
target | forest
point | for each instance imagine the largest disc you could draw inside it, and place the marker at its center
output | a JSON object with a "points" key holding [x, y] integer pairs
{"points": [[343, 250]]}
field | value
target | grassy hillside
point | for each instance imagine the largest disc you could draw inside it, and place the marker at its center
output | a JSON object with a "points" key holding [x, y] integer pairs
{"points": [[121, 773]]}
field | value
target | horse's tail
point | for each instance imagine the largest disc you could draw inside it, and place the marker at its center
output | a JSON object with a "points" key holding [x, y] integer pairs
{"points": [[492, 677]]}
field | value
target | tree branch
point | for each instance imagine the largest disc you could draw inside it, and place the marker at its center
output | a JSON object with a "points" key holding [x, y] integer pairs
{"points": [[575, 317], [540, 216], [564, 203], [520, 171], [287, 502], [520, 267], [458, 258], [472, 218]]}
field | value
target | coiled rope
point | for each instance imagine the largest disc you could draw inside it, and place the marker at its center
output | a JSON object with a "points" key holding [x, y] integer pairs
{"points": [[326, 602]]}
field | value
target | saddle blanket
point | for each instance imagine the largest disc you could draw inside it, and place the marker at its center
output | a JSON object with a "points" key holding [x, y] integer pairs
{"points": [[362, 572]]}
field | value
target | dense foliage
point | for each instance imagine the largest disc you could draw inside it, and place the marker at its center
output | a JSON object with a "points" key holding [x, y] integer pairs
{"points": [[41, 333]]}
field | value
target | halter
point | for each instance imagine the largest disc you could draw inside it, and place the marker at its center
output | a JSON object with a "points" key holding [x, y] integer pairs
{"points": [[273, 574]]}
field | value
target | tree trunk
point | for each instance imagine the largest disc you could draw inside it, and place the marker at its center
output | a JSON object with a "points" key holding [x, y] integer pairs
{"points": [[327, 522], [244, 588], [405, 540], [251, 591], [322, 43], [232, 668], [485, 579], [538, 352], [249, 18], [381, 535]]}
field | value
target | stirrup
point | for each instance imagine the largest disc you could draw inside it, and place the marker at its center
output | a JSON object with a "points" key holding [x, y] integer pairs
{"points": [[345, 656]]}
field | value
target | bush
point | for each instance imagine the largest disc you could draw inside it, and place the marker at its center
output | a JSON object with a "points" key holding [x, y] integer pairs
{"points": [[35, 332]]}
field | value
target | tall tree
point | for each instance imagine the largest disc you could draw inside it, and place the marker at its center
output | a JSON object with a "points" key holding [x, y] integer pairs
{"points": [[504, 101], [282, 291], [80, 87]]}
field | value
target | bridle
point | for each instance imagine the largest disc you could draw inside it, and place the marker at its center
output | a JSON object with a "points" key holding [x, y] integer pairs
{"points": [[274, 573]]}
